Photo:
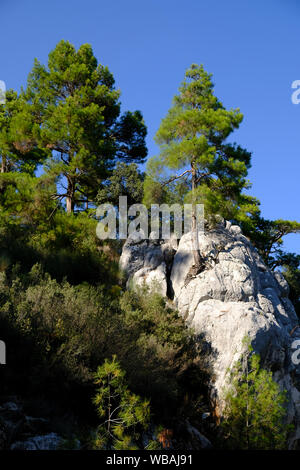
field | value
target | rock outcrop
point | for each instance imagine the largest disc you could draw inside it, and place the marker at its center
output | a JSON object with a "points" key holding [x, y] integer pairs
{"points": [[148, 262], [234, 295]]}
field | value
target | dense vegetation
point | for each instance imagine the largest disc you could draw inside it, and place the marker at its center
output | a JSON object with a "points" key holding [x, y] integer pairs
{"points": [[64, 313], [58, 334]]}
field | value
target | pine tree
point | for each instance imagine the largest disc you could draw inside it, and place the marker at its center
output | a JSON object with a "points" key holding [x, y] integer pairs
{"points": [[76, 112], [267, 236], [122, 412], [18, 152], [254, 413], [125, 180], [192, 139]]}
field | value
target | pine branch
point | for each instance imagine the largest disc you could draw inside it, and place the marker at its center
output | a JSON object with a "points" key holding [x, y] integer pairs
{"points": [[176, 177]]}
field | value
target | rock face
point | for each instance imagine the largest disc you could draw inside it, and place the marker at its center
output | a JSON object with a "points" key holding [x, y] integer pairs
{"points": [[234, 295]]}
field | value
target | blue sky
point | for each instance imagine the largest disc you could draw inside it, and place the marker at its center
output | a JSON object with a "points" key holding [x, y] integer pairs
{"points": [[250, 47]]}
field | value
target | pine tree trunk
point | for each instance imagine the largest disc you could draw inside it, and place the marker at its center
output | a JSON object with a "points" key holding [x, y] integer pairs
{"points": [[3, 164], [70, 195], [70, 205], [195, 239]]}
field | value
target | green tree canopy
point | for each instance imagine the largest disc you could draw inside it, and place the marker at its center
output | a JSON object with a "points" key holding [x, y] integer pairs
{"points": [[76, 112], [267, 236], [193, 148], [122, 412]]}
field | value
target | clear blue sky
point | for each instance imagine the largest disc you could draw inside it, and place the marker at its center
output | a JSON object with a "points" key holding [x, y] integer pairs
{"points": [[251, 47]]}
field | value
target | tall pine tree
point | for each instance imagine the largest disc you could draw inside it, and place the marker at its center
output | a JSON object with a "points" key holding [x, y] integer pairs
{"points": [[192, 139]]}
